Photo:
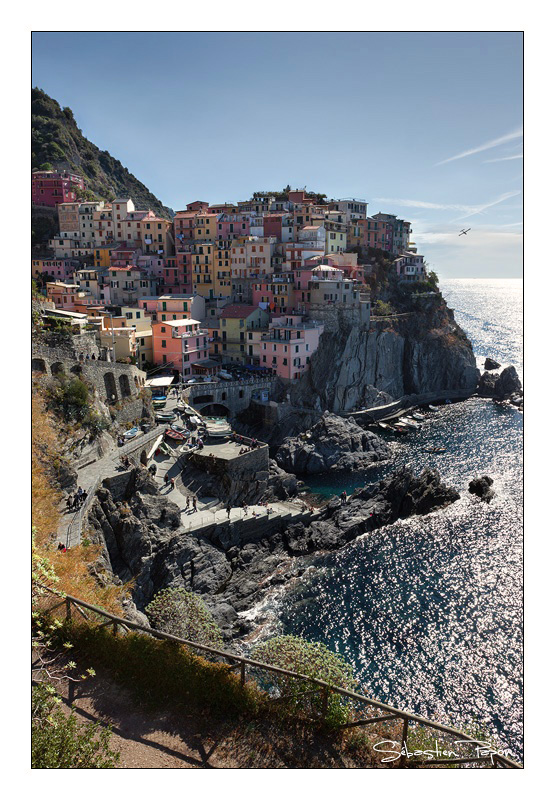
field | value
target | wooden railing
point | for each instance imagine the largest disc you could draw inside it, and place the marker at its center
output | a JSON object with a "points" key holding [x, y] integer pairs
{"points": [[495, 759]]}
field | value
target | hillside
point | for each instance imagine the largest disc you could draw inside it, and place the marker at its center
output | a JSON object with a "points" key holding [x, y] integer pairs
{"points": [[57, 140]]}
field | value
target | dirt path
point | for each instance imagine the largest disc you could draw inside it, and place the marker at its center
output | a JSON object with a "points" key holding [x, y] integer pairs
{"points": [[155, 740]]}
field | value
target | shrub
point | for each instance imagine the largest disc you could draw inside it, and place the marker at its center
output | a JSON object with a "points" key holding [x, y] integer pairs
{"points": [[382, 309], [60, 742], [314, 660], [184, 614]]}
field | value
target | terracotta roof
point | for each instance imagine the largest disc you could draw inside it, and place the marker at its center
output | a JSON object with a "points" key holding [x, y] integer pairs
{"points": [[237, 311]]}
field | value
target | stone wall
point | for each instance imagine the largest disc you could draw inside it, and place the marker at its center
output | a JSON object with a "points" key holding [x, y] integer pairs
{"points": [[113, 382], [235, 396]]}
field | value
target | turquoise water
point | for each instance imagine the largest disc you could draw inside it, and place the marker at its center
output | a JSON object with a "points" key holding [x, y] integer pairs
{"points": [[429, 610]]}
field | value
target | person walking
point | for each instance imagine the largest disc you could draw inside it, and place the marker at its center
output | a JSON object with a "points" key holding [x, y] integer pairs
{"points": [[194, 502], [228, 509], [69, 502], [172, 483], [188, 504], [166, 479]]}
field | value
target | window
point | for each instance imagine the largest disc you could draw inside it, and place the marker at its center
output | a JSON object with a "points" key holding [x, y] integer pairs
{"points": [[163, 343]]}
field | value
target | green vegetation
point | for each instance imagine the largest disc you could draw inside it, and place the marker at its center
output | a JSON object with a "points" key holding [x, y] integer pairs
{"points": [[382, 309], [70, 398], [158, 673], [60, 742], [314, 660], [58, 143], [184, 614]]}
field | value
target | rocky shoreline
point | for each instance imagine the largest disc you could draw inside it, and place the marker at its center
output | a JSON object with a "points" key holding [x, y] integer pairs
{"points": [[142, 540]]}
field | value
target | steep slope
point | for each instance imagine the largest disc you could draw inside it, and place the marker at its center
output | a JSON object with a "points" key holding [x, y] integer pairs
{"points": [[57, 140]]}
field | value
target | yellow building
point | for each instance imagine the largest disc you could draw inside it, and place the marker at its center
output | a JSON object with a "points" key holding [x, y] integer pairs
{"points": [[222, 269], [101, 255], [202, 269], [236, 322], [206, 227]]}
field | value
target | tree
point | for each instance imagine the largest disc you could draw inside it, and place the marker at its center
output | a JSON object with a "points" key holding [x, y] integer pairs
{"points": [[314, 660], [183, 614], [46, 167]]}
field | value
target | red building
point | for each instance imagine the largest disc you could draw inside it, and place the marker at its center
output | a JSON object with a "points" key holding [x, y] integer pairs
{"points": [[49, 188]]}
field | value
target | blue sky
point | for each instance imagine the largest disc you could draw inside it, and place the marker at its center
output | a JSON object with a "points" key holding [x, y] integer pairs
{"points": [[427, 126]]}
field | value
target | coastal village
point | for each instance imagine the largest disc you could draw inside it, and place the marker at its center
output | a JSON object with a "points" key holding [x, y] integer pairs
{"points": [[243, 284]]}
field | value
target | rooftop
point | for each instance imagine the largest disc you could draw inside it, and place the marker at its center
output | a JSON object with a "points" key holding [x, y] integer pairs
{"points": [[238, 311]]}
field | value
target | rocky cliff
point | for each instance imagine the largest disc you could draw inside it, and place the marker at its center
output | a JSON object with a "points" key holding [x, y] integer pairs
{"points": [[360, 364]]}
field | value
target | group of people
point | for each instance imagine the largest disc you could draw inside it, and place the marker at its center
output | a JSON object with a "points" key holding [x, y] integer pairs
{"points": [[191, 504], [125, 462], [250, 444], [169, 481], [73, 502]]}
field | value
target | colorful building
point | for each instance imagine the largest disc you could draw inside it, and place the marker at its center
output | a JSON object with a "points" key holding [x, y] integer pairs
{"points": [[50, 188], [179, 344], [236, 320], [289, 345]]}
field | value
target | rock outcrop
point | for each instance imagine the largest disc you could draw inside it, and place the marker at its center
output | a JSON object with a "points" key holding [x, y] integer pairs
{"points": [[397, 497], [142, 539], [490, 363], [333, 443], [503, 386], [482, 488]]}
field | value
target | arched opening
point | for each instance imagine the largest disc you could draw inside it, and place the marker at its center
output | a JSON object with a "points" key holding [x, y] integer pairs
{"points": [[110, 386], [57, 368], [38, 364], [203, 398], [215, 410], [77, 369], [124, 386]]}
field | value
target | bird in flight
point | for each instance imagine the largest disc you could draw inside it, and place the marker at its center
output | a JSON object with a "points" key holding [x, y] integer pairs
{"points": [[464, 231]]}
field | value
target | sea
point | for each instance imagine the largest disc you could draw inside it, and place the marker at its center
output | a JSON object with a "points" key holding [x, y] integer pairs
{"points": [[429, 610]]}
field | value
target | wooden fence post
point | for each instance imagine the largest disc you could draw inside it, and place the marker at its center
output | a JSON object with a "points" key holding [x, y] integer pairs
{"points": [[404, 737]]}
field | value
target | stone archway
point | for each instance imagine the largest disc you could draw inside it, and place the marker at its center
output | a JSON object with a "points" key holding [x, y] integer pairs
{"points": [[77, 369], [124, 386], [38, 364], [57, 368], [110, 386], [215, 410]]}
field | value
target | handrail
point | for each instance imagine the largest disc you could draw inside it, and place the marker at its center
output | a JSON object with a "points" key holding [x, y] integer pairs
{"points": [[243, 662]]}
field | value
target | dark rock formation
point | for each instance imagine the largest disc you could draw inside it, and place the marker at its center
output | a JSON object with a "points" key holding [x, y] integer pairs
{"points": [[490, 363], [333, 443], [397, 497], [482, 487], [500, 386], [234, 567]]}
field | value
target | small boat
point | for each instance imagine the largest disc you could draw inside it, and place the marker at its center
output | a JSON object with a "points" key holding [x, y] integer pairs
{"points": [[433, 408], [410, 423], [400, 428], [435, 450], [385, 426], [417, 415], [176, 435], [159, 403], [131, 433], [165, 416]]}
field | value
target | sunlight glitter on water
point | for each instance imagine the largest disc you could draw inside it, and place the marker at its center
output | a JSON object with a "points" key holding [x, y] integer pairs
{"points": [[429, 610]]}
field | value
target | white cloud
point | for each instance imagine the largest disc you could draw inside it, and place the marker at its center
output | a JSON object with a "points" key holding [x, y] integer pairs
{"points": [[508, 137], [505, 158], [468, 209]]}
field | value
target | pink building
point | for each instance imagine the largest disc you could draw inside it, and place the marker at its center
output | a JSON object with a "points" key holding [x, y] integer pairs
{"points": [[177, 275], [51, 188], [61, 269], [179, 343], [289, 344]]}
